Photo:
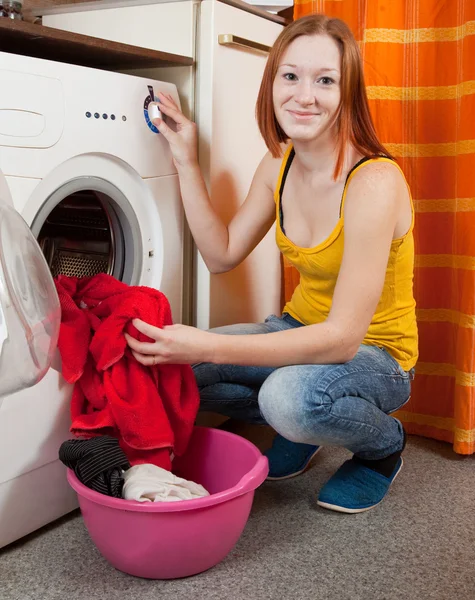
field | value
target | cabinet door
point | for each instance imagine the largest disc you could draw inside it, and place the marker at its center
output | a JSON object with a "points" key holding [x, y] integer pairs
{"points": [[230, 150]]}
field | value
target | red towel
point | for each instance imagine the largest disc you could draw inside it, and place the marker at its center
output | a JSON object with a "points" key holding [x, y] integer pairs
{"points": [[150, 409]]}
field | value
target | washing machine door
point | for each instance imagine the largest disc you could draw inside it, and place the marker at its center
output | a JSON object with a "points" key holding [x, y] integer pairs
{"points": [[30, 314]]}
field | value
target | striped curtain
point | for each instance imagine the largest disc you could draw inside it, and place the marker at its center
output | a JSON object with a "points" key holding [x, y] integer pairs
{"points": [[419, 58]]}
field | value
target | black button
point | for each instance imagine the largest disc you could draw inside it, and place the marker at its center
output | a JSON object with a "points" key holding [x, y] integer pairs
{"points": [[113, 117], [88, 115], [104, 116], [124, 118], [97, 115]]}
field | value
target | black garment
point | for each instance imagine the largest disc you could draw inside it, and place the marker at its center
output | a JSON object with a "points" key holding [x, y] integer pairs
{"points": [[98, 463]]}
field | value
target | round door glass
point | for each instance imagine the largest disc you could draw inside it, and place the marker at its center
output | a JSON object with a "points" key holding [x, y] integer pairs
{"points": [[30, 313]]}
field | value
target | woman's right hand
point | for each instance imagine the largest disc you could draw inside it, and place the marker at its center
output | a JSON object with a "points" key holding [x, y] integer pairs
{"points": [[183, 141]]}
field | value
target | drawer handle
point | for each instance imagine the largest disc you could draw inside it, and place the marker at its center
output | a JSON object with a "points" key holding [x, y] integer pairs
{"points": [[229, 39]]}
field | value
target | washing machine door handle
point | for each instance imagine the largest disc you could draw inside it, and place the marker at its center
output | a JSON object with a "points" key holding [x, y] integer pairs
{"points": [[30, 313]]}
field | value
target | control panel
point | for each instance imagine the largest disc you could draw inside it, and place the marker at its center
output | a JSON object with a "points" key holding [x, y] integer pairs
{"points": [[150, 112]]}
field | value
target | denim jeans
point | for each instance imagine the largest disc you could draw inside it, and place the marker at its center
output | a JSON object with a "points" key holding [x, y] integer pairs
{"points": [[331, 405]]}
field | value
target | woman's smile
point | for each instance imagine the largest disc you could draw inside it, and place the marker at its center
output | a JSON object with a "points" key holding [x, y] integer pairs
{"points": [[303, 115]]}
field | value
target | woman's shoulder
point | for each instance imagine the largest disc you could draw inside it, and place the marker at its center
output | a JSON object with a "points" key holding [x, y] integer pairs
{"points": [[376, 182], [377, 171], [270, 167], [275, 162]]}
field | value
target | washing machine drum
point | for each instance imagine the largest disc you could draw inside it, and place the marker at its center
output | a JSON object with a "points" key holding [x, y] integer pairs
{"points": [[30, 313]]}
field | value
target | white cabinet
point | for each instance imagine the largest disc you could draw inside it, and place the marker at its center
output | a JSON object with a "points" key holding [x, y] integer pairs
{"points": [[230, 150], [220, 93]]}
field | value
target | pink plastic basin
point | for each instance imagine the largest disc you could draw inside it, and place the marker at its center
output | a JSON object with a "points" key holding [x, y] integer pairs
{"points": [[163, 540]]}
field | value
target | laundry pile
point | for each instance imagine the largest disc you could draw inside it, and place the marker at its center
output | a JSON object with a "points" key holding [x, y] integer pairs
{"points": [[100, 464], [127, 414]]}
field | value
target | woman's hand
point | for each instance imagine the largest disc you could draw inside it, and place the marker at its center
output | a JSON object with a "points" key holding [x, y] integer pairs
{"points": [[184, 141], [174, 344]]}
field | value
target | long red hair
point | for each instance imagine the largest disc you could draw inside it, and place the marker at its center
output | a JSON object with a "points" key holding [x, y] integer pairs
{"points": [[355, 125]]}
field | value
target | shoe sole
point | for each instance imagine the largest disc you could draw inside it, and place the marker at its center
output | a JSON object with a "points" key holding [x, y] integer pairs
{"points": [[296, 472], [353, 511]]}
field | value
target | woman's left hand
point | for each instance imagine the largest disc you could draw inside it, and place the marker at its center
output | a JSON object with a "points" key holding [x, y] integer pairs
{"points": [[174, 344]]}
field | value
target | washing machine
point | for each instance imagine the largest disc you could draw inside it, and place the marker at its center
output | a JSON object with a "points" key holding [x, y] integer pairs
{"points": [[86, 172]]}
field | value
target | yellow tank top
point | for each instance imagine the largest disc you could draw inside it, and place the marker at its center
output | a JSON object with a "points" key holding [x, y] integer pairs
{"points": [[393, 326]]}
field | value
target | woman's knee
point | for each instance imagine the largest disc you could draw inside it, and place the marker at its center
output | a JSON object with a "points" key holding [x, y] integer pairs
{"points": [[288, 406]]}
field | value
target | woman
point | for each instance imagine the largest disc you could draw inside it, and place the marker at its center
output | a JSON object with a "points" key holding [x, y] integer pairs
{"points": [[340, 358]]}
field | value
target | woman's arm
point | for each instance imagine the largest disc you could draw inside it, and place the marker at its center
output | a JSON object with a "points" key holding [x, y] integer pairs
{"points": [[376, 197], [222, 247]]}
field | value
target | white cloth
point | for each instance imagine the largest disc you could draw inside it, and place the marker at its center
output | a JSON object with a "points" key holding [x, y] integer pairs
{"points": [[149, 483]]}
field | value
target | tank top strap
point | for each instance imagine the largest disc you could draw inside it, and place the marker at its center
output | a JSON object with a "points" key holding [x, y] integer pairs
{"points": [[355, 168], [284, 170]]}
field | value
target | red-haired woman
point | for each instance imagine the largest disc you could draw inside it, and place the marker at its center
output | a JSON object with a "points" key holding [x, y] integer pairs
{"points": [[341, 357]]}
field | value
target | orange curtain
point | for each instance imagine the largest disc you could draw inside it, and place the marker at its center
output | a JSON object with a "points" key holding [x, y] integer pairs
{"points": [[419, 58]]}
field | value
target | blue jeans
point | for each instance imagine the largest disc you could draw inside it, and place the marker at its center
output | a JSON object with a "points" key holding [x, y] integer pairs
{"points": [[337, 404]]}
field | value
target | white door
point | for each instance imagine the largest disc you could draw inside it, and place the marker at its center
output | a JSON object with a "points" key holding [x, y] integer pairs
{"points": [[231, 148], [30, 314]]}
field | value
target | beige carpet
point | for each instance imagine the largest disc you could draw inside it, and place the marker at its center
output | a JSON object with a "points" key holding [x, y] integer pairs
{"points": [[419, 544]]}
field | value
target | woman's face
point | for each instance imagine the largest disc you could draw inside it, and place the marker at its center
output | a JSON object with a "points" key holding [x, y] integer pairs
{"points": [[306, 88]]}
